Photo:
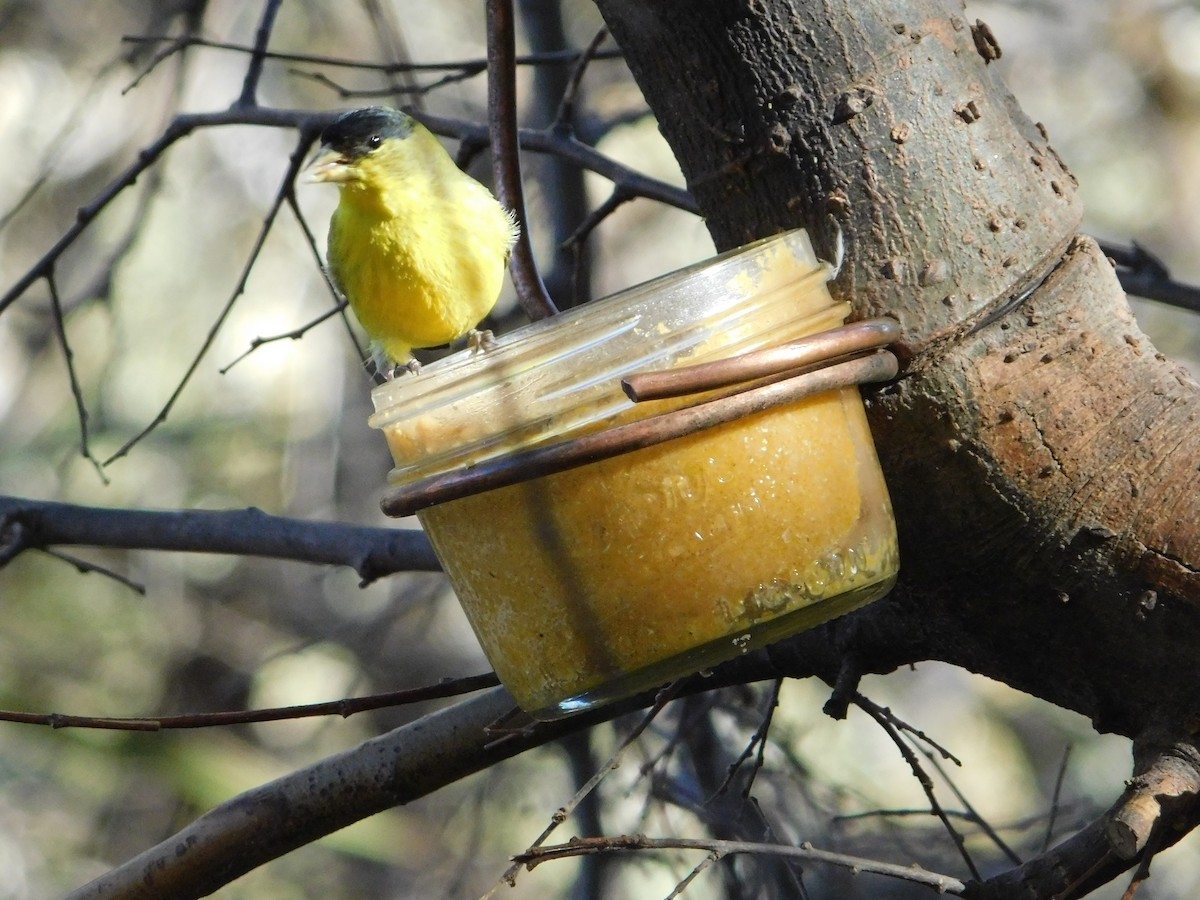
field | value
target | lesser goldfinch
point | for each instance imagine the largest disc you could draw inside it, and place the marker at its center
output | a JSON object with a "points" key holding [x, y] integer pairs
{"points": [[417, 247]]}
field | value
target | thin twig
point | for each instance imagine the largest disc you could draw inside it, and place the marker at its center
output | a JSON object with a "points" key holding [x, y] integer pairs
{"points": [[254, 68], [946, 884], [758, 741], [697, 870], [903, 726], [178, 43], [566, 108], [339, 302], [294, 335], [175, 45], [60, 330], [296, 161], [1143, 274], [90, 568], [346, 707], [563, 812], [884, 721], [506, 158], [614, 201], [1055, 798], [974, 814]]}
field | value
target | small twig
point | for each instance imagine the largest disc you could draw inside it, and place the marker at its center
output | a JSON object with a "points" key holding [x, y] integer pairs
{"points": [[339, 302], [249, 95], [619, 197], [346, 707], [973, 814], [413, 90], [885, 722], [1143, 274], [296, 161], [1055, 798], [88, 568], [863, 702], [946, 884], [506, 162], [756, 747], [294, 335], [555, 57], [175, 45], [664, 697], [697, 871], [566, 108], [60, 330]]}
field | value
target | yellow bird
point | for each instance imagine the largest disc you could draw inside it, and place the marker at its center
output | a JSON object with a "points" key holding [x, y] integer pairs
{"points": [[417, 247]]}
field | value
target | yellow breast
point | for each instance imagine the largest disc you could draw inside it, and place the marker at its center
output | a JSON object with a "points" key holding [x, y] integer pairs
{"points": [[419, 249]]}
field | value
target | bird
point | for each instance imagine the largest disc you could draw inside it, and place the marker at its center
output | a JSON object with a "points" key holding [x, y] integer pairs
{"points": [[417, 247]]}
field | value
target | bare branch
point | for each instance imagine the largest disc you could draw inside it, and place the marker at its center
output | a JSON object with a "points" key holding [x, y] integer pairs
{"points": [[758, 742], [60, 330], [945, 884], [1056, 798], [346, 707], [297, 160], [473, 66], [371, 552], [1143, 274], [884, 721], [615, 200], [249, 95], [566, 108], [180, 127], [88, 568], [273, 819], [664, 697]]}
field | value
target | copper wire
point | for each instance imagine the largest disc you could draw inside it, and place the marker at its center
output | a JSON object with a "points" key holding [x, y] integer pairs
{"points": [[490, 474], [824, 347]]}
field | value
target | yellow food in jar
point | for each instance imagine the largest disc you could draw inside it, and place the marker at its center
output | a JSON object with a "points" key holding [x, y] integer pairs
{"points": [[631, 571]]}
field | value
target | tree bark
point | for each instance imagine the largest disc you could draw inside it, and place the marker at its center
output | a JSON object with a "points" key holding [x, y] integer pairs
{"points": [[1042, 457]]}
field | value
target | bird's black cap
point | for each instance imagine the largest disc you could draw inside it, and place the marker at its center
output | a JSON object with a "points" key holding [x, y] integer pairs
{"points": [[357, 133]]}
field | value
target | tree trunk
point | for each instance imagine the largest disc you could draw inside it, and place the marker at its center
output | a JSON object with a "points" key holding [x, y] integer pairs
{"points": [[1041, 455]]}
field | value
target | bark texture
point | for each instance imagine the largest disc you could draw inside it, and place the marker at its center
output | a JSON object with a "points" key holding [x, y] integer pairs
{"points": [[1041, 454]]}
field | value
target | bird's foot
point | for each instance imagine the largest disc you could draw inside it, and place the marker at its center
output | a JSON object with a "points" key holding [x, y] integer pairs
{"points": [[481, 340], [412, 366]]}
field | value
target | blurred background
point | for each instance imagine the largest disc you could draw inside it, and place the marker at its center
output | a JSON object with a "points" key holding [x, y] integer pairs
{"points": [[1117, 84]]}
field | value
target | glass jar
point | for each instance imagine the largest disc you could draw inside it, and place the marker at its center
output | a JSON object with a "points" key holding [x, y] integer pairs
{"points": [[602, 581]]}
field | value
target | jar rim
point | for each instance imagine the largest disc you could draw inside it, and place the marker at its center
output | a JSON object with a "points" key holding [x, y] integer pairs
{"points": [[562, 374]]}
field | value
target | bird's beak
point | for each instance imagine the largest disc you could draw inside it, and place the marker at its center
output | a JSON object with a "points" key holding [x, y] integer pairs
{"points": [[329, 165]]}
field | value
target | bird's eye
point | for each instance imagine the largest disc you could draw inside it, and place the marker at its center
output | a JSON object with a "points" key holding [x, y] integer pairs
{"points": [[374, 141]]}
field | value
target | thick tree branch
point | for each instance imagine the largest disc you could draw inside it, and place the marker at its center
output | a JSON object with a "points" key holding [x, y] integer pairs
{"points": [[371, 552]]}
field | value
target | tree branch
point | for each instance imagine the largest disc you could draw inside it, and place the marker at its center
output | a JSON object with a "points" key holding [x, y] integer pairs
{"points": [[943, 884], [371, 552]]}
